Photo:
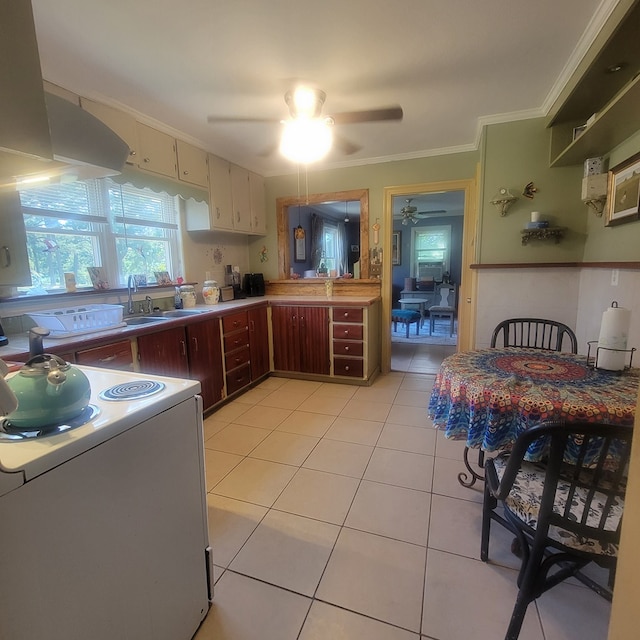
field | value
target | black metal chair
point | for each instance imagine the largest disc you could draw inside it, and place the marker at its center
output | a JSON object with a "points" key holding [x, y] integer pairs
{"points": [[566, 511], [534, 333]]}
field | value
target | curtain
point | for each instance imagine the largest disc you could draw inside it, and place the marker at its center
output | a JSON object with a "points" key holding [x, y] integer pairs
{"points": [[342, 253], [317, 229]]}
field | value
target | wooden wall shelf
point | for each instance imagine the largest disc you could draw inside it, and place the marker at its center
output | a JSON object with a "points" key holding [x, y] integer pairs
{"points": [[548, 233]]}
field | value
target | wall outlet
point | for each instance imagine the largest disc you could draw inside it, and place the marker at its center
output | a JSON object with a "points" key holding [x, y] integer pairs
{"points": [[615, 273]]}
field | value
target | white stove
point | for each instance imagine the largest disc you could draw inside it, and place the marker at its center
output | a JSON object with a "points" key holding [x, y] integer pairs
{"points": [[104, 524]]}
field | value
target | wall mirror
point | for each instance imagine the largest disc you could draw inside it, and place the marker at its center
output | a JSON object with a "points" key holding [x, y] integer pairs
{"points": [[344, 210]]}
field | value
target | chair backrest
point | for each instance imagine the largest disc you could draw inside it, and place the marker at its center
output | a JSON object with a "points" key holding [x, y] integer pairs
{"points": [[584, 477], [535, 333], [447, 294]]}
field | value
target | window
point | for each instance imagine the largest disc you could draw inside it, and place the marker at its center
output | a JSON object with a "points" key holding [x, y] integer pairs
{"points": [[330, 247], [430, 246], [123, 228]]}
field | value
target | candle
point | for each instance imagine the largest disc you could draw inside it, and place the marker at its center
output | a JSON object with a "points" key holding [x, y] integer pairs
{"points": [[535, 216]]}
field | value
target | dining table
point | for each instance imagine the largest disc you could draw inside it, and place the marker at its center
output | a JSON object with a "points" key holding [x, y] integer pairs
{"points": [[488, 397]]}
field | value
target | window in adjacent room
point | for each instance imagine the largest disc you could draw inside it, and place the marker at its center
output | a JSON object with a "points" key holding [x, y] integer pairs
{"points": [[123, 228], [431, 246]]}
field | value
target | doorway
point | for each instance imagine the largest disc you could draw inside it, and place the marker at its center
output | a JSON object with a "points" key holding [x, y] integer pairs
{"points": [[425, 237]]}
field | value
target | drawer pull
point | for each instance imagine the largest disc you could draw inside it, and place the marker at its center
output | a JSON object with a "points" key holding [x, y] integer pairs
{"points": [[108, 358], [346, 348], [346, 332], [346, 368]]}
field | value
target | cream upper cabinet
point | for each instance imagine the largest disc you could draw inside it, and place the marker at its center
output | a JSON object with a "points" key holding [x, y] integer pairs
{"points": [[220, 205], [192, 164], [157, 151], [241, 199], [14, 261], [258, 212], [124, 124]]}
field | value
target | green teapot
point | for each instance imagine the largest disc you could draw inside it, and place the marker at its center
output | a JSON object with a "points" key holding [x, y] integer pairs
{"points": [[48, 390]]}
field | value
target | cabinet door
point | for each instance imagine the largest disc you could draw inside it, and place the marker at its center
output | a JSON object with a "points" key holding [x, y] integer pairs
{"points": [[240, 198], [220, 205], [109, 356], [124, 124], [14, 261], [258, 212], [286, 353], [314, 339], [192, 164], [157, 151], [164, 353], [259, 341], [205, 359]]}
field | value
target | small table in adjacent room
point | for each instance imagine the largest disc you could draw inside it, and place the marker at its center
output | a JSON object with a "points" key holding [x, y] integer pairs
{"points": [[489, 397]]}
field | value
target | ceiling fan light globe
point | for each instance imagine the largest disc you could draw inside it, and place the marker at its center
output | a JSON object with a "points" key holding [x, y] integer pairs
{"points": [[305, 140]]}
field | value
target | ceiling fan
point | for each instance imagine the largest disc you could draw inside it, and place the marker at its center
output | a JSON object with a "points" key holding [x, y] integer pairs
{"points": [[409, 213], [306, 125]]}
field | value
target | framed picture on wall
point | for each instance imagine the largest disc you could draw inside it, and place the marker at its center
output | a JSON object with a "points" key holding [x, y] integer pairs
{"points": [[396, 248], [623, 195], [299, 245]]}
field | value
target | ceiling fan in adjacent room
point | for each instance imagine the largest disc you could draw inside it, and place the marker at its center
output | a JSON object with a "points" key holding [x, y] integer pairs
{"points": [[308, 135], [410, 213]]}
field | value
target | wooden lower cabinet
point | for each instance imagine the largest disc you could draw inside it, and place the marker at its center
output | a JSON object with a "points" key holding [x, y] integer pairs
{"points": [[301, 339], [259, 341], [192, 352], [117, 355], [205, 359], [164, 353]]}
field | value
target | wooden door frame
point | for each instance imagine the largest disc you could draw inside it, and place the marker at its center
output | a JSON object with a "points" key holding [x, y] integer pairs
{"points": [[466, 307]]}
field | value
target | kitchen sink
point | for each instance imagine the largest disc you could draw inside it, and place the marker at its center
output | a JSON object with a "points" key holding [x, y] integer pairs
{"points": [[178, 313], [143, 320]]}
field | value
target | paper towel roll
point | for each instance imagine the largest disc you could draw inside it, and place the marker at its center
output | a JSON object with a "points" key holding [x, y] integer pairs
{"points": [[614, 332]]}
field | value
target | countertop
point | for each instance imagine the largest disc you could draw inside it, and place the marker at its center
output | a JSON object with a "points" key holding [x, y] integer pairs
{"points": [[18, 347]]}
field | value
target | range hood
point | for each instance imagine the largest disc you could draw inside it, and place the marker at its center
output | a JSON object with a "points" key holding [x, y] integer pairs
{"points": [[41, 134], [83, 147]]}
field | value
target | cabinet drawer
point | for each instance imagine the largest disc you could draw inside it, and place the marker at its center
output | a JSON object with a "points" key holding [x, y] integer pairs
{"points": [[234, 322], [348, 367], [110, 356], [236, 340], [347, 314], [238, 378], [347, 331], [347, 348], [237, 358]]}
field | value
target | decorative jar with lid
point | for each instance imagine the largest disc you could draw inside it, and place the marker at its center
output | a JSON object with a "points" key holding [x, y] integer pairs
{"points": [[210, 292], [188, 296]]}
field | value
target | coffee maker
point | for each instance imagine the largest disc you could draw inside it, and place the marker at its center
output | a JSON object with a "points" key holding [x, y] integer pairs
{"points": [[253, 284], [232, 279]]}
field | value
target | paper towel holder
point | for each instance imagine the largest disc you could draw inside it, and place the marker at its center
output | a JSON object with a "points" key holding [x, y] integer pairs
{"points": [[592, 360]]}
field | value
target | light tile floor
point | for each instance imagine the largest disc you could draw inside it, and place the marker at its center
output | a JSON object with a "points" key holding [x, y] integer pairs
{"points": [[335, 514]]}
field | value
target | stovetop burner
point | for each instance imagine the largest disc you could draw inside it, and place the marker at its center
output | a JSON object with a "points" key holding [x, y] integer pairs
{"points": [[132, 390], [15, 434]]}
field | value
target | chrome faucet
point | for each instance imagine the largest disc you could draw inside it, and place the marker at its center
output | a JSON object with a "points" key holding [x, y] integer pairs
{"points": [[132, 287]]}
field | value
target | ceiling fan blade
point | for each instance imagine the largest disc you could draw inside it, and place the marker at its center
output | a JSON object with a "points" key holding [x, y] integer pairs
{"points": [[215, 119], [370, 115], [425, 214], [346, 146]]}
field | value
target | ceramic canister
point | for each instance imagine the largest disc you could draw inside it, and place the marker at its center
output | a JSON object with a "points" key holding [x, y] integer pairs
{"points": [[210, 292]]}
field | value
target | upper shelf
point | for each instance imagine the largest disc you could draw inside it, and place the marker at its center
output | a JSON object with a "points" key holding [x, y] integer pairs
{"points": [[618, 120]]}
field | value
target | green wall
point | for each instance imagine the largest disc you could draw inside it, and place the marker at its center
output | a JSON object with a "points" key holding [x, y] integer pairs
{"points": [[374, 177], [517, 153], [511, 155], [622, 242]]}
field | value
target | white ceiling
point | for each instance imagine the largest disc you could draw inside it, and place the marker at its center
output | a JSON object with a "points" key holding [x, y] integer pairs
{"points": [[451, 65]]}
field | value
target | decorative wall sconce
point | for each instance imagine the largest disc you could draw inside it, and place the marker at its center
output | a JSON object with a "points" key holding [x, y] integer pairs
{"points": [[594, 192], [529, 190], [503, 200]]}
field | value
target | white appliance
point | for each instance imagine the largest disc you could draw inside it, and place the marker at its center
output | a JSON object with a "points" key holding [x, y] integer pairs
{"points": [[103, 526]]}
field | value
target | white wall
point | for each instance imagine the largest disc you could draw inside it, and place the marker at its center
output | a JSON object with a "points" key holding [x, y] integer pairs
{"points": [[577, 297]]}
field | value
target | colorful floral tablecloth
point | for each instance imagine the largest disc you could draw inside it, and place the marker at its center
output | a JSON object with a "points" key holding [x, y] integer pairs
{"points": [[488, 397]]}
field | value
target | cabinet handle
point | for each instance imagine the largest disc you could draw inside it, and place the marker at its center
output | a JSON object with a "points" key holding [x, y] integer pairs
{"points": [[346, 368], [252, 325], [147, 160], [346, 348], [185, 173], [346, 332], [236, 323], [346, 315], [238, 360], [132, 152], [218, 213], [184, 347], [108, 358], [195, 344], [7, 257]]}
